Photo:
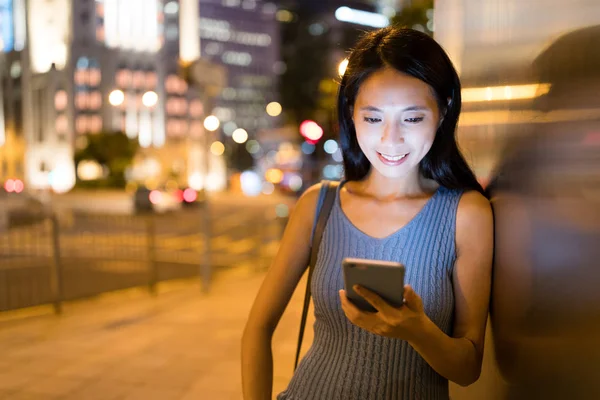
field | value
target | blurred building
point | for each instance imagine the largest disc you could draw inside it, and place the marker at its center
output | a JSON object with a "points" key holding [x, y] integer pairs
{"points": [[243, 36], [317, 37], [98, 66], [12, 42]]}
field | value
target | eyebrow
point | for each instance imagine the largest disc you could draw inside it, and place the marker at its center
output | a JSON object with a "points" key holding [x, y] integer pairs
{"points": [[411, 108]]}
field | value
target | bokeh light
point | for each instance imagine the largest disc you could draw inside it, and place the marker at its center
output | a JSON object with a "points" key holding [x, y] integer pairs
{"points": [[211, 123], [239, 136], [217, 148], [274, 109]]}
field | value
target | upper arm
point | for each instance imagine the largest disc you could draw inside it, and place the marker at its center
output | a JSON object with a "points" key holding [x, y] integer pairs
{"points": [[473, 268], [288, 265]]}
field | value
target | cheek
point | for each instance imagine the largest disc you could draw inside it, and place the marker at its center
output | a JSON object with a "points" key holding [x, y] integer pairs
{"points": [[424, 137], [367, 136]]}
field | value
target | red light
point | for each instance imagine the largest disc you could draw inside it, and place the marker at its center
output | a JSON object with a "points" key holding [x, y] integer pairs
{"points": [[9, 185], [155, 197], [179, 195], [19, 186], [311, 131], [190, 195]]}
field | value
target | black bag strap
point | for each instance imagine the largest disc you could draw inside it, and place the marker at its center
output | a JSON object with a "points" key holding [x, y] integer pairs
{"points": [[323, 216]]}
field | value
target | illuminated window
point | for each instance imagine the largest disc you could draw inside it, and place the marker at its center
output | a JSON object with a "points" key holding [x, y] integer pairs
{"points": [[231, 3], [176, 128], [124, 78], [151, 80], [94, 77], [83, 63], [95, 100], [99, 9], [81, 77], [237, 58], [81, 124], [82, 100], [182, 86], [172, 106], [196, 129], [95, 123], [196, 108], [183, 106], [60, 100], [138, 79], [62, 124], [100, 33], [175, 84]]}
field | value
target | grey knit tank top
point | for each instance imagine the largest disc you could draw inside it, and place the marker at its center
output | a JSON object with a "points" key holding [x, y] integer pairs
{"points": [[349, 363]]}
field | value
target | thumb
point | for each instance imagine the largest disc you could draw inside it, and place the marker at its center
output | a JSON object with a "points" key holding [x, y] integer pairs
{"points": [[412, 299]]}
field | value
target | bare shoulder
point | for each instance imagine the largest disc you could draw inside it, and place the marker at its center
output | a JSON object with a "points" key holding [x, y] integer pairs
{"points": [[473, 206], [302, 216], [307, 203], [474, 220]]}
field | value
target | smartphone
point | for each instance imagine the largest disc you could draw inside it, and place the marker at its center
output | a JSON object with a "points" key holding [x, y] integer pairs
{"points": [[386, 278]]}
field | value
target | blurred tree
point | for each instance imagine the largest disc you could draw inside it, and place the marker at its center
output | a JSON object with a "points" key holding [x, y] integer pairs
{"points": [[417, 15], [113, 150]]}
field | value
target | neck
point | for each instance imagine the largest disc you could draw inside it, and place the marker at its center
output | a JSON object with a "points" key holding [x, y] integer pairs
{"points": [[383, 187]]}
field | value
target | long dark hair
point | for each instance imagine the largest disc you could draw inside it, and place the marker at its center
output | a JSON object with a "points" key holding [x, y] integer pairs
{"points": [[416, 54]]}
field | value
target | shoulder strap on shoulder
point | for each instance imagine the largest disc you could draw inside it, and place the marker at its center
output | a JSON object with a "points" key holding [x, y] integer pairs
{"points": [[324, 206]]}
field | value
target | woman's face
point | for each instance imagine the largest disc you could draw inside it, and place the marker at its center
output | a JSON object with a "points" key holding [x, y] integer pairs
{"points": [[396, 117]]}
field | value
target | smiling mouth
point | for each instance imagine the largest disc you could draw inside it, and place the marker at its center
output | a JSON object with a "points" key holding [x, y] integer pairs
{"points": [[392, 158]]}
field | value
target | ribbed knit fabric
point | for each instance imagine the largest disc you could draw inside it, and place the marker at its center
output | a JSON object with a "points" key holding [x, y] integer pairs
{"points": [[349, 363]]}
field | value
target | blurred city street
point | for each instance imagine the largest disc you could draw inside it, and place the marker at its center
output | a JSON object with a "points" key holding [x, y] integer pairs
{"points": [[152, 151], [103, 252], [181, 344]]}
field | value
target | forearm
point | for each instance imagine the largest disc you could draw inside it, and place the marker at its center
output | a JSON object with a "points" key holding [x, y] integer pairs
{"points": [[454, 358], [257, 365]]}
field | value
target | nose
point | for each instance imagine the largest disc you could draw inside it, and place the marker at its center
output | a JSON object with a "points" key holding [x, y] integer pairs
{"points": [[392, 134]]}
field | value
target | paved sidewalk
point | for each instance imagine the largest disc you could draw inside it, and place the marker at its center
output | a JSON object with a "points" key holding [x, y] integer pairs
{"points": [[128, 345]]}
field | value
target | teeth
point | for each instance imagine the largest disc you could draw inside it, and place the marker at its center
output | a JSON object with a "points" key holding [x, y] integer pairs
{"points": [[393, 158]]}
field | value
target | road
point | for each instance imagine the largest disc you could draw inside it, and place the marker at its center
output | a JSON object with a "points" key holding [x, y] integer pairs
{"points": [[105, 252]]}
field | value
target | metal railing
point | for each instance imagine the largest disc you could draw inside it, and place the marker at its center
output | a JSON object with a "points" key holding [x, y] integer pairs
{"points": [[48, 262]]}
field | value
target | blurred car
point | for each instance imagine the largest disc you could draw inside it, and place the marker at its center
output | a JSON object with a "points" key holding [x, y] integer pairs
{"points": [[20, 208], [162, 200]]}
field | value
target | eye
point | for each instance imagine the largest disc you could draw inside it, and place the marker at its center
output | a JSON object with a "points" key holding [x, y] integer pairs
{"points": [[414, 120], [369, 120]]}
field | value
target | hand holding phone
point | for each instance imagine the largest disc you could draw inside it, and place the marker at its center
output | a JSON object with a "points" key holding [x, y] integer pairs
{"points": [[386, 278]]}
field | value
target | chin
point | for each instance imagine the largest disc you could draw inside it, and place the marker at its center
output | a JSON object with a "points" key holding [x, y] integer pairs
{"points": [[398, 172]]}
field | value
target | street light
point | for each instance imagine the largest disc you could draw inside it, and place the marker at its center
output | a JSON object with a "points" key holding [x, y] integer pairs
{"points": [[240, 136], [343, 66], [149, 99], [116, 97], [274, 109], [212, 123]]}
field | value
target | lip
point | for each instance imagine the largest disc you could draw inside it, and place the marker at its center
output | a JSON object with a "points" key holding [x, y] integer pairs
{"points": [[392, 163]]}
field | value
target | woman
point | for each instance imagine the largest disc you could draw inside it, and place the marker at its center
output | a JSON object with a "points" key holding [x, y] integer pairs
{"points": [[408, 196]]}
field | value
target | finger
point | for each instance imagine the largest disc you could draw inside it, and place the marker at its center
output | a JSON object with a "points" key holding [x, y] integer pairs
{"points": [[412, 299], [352, 312], [373, 298]]}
